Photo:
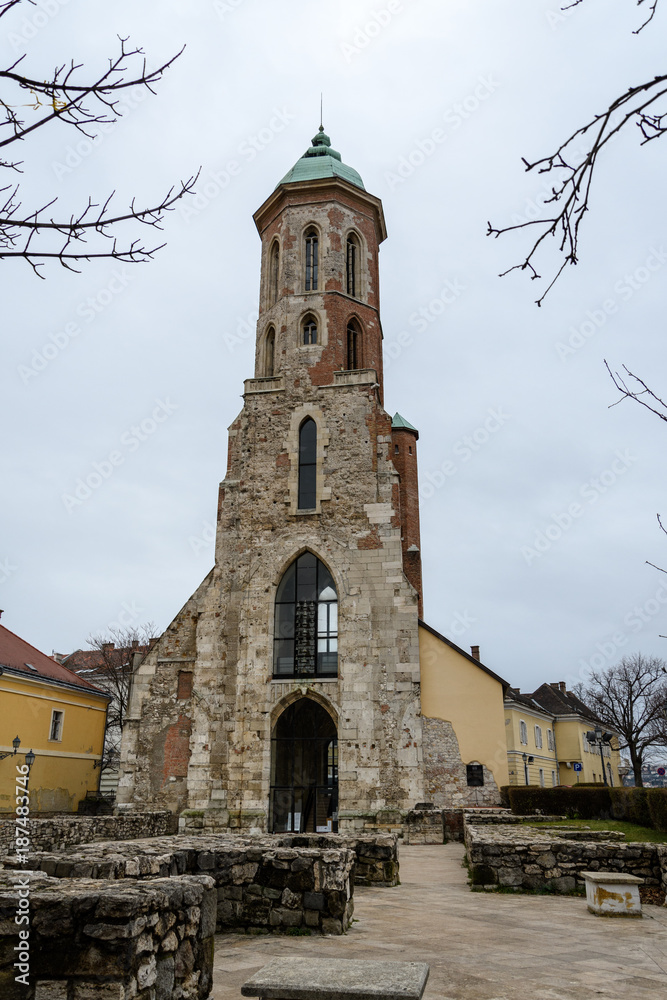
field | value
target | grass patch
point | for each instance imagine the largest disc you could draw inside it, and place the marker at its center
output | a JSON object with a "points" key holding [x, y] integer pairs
{"points": [[633, 832], [297, 932]]}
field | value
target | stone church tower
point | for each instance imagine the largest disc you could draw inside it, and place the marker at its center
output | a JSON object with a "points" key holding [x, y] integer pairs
{"points": [[285, 695]]}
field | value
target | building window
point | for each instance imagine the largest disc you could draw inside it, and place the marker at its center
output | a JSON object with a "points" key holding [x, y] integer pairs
{"points": [[311, 260], [538, 737], [352, 266], [309, 328], [274, 272], [523, 732], [553, 779], [585, 744], [353, 346], [308, 465], [56, 731], [475, 775], [541, 777], [270, 353], [551, 743], [306, 621], [184, 689]]}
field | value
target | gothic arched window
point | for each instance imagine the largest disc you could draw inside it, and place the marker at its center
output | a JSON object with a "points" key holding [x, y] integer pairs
{"points": [[308, 465], [309, 330], [312, 255], [353, 346], [352, 266], [270, 353], [274, 271], [306, 621]]}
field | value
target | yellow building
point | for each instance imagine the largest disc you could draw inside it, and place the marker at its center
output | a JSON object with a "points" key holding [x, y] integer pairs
{"points": [[58, 716], [465, 756], [547, 743]]}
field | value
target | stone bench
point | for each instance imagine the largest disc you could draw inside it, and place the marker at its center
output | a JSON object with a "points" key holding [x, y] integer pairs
{"points": [[337, 979], [613, 894]]}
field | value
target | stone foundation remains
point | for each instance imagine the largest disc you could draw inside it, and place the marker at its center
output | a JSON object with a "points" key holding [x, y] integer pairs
{"points": [[107, 940], [60, 832]]}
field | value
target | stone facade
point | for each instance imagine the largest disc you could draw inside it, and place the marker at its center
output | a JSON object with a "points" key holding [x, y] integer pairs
{"points": [[525, 858], [207, 745], [445, 776], [60, 832], [124, 940]]}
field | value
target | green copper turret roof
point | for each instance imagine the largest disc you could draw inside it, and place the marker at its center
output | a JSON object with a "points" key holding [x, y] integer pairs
{"points": [[320, 161], [399, 423]]}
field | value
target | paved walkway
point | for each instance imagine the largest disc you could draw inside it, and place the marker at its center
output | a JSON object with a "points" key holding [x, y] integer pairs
{"points": [[480, 946]]}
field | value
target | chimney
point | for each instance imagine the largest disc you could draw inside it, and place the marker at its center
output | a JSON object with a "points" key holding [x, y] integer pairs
{"points": [[474, 652], [559, 686], [135, 643], [107, 647]]}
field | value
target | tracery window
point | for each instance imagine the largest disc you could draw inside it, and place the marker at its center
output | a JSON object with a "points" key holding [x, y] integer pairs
{"points": [[307, 465], [309, 329], [353, 346], [274, 270], [312, 254], [306, 621], [352, 266]]}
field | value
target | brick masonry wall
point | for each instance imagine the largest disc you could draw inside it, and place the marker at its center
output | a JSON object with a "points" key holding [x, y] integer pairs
{"points": [[528, 859], [259, 886], [67, 831], [101, 940]]}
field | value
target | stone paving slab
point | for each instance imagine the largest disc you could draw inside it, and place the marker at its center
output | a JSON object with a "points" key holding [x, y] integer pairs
{"points": [[480, 946], [337, 979]]}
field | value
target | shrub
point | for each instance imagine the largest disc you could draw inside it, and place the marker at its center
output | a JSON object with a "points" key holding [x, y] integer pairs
{"points": [[656, 799], [576, 803], [504, 796]]}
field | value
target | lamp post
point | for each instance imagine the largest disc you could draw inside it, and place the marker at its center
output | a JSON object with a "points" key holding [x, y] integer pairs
{"points": [[16, 743], [597, 737], [526, 761], [30, 760]]}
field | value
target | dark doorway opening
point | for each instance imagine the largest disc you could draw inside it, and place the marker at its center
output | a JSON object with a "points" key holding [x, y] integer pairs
{"points": [[304, 771]]}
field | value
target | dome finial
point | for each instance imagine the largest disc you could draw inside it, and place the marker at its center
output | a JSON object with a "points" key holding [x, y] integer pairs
{"points": [[321, 115]]}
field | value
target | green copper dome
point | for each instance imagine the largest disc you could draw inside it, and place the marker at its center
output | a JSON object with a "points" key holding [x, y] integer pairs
{"points": [[321, 161]]}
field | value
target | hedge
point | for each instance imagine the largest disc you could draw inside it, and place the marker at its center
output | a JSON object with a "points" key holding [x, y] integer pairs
{"points": [[643, 806]]}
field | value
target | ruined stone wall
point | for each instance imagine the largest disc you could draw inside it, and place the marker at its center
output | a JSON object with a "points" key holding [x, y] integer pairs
{"points": [[531, 859], [91, 939], [65, 831], [445, 776], [259, 884]]}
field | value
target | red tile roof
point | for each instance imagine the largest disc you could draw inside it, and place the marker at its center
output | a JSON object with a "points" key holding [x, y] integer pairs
{"points": [[16, 654]]}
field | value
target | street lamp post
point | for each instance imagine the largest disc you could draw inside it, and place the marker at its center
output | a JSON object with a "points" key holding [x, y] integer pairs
{"points": [[526, 761], [597, 737], [16, 743]]}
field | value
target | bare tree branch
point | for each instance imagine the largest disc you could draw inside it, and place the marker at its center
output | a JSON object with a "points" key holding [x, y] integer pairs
{"points": [[651, 401], [573, 176], [31, 233]]}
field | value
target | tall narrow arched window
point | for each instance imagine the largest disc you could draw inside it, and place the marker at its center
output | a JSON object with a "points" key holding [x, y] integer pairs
{"points": [[270, 353], [274, 271], [308, 465], [312, 257], [306, 621], [352, 266], [309, 330], [353, 346]]}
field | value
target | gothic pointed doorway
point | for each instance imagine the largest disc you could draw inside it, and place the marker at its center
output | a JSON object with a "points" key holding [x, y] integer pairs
{"points": [[304, 770]]}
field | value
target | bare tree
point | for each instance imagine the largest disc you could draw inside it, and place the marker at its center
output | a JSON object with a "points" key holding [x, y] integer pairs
{"points": [[572, 169], [631, 698], [37, 234], [110, 665]]}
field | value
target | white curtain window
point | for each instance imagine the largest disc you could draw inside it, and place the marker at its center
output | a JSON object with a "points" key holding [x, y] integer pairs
{"points": [[523, 732]]}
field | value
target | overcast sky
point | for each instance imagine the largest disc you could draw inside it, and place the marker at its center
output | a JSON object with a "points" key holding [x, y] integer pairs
{"points": [[511, 401]]}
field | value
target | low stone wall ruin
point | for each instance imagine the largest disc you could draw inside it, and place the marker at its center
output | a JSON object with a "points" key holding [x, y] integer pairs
{"points": [[60, 832], [107, 940], [261, 887], [517, 856]]}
